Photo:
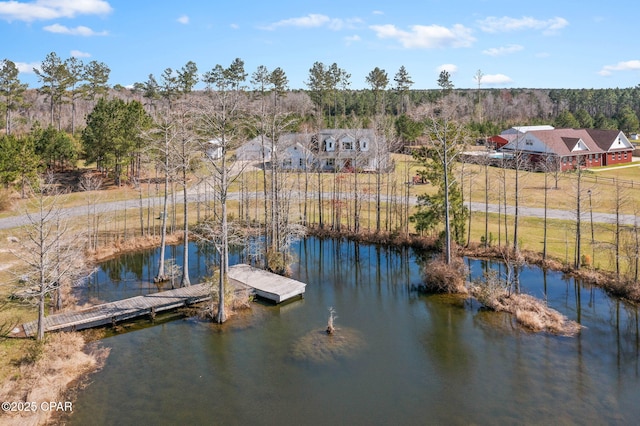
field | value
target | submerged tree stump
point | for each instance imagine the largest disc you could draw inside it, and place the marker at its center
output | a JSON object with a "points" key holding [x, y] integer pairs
{"points": [[332, 316]]}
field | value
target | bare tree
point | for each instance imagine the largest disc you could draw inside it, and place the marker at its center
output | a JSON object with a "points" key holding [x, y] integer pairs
{"points": [[620, 201], [521, 164], [164, 134], [91, 186], [186, 151], [470, 174], [546, 210], [579, 195], [51, 252], [380, 161], [478, 76], [485, 163], [219, 120], [278, 125]]}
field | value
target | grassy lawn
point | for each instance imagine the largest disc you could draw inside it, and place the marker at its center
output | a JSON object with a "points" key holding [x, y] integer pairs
{"points": [[564, 196]]}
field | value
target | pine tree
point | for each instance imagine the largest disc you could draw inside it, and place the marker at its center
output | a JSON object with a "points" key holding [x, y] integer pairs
{"points": [[11, 90]]}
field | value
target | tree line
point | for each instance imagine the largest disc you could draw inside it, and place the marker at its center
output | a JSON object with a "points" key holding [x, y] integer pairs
{"points": [[69, 89]]}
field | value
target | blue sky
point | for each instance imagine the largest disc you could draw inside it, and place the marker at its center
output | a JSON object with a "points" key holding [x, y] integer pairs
{"points": [[516, 44]]}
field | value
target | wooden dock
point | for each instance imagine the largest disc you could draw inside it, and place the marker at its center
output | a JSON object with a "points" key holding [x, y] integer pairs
{"points": [[265, 284]]}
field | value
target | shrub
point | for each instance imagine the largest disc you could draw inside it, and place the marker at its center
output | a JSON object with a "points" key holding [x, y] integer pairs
{"points": [[276, 262], [440, 277], [490, 289]]}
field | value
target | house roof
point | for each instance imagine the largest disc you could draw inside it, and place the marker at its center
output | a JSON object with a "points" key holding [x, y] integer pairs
{"points": [[525, 129], [563, 141], [570, 143], [605, 138]]}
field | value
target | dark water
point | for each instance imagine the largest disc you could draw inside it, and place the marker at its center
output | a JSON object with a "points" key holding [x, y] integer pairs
{"points": [[425, 359]]}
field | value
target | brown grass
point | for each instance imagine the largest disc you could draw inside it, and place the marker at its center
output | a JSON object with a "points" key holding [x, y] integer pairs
{"points": [[372, 237], [45, 372], [440, 277], [623, 288], [531, 313], [131, 245], [235, 299]]}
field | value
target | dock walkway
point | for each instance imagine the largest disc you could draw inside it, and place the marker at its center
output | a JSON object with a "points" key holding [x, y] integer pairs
{"points": [[265, 284]]}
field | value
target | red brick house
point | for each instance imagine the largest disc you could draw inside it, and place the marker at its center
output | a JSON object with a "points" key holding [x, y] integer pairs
{"points": [[615, 144], [570, 148]]}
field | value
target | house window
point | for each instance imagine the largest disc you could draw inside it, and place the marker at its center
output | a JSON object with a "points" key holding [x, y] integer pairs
{"points": [[301, 162], [619, 156], [625, 155], [287, 162], [364, 144], [331, 162], [347, 146], [528, 142]]}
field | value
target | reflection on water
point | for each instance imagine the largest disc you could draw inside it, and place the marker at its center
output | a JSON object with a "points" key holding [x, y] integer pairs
{"points": [[424, 359]]}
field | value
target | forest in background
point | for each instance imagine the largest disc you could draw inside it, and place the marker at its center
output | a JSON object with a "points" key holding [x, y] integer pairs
{"points": [[488, 111], [69, 90]]}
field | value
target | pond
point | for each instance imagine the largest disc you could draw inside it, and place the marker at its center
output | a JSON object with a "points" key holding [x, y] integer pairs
{"points": [[409, 358]]}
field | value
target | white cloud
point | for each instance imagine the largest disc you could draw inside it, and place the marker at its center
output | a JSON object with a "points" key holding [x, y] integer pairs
{"points": [[377, 12], [496, 80], [309, 21], [27, 67], [352, 39], [503, 50], [337, 24], [427, 37], [234, 26], [314, 20], [633, 65], [80, 54], [450, 68], [51, 9], [493, 24], [77, 31], [184, 19]]}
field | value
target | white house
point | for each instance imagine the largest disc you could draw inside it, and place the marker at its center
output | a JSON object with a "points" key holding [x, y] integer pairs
{"points": [[348, 149], [258, 148], [327, 150]]}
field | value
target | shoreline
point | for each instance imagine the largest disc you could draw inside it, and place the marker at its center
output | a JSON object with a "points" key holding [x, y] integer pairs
{"points": [[86, 352], [50, 374]]}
